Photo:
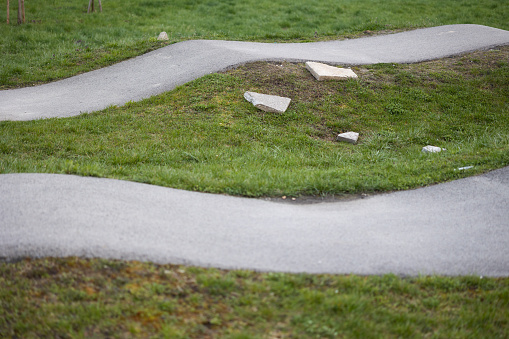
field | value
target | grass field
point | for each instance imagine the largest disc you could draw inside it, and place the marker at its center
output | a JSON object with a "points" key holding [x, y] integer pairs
{"points": [[60, 39], [77, 298], [204, 136]]}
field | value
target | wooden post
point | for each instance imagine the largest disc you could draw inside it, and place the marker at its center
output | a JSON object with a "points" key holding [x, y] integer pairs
{"points": [[19, 13], [91, 6], [7, 12]]}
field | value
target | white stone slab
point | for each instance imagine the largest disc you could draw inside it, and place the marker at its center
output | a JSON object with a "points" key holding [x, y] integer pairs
{"points": [[432, 149], [325, 72], [350, 137], [268, 103], [163, 36]]}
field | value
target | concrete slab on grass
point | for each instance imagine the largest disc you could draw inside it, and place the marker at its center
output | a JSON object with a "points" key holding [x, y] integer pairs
{"points": [[268, 103], [325, 72], [350, 137]]}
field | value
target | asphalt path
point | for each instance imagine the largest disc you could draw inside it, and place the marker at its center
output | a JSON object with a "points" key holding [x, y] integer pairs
{"points": [[455, 228], [164, 69]]}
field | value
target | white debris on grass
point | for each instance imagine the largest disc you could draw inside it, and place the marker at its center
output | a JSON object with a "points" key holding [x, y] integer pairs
{"points": [[325, 72], [163, 36], [464, 168], [268, 103], [350, 137], [432, 149]]}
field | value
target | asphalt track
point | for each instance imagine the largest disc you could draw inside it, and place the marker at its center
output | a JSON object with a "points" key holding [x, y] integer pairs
{"points": [[164, 69], [455, 228]]}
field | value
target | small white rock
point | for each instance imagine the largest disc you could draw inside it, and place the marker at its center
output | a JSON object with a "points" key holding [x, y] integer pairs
{"points": [[268, 103], [324, 72], [350, 137], [432, 149], [163, 36]]}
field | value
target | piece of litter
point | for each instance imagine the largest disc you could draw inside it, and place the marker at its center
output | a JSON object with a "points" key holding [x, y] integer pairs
{"points": [[464, 168], [163, 36], [268, 103], [350, 137], [326, 72], [432, 149]]}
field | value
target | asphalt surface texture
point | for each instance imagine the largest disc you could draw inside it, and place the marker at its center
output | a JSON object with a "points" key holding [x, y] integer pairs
{"points": [[455, 228]]}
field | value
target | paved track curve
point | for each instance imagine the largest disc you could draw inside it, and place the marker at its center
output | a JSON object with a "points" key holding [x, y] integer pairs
{"points": [[164, 69], [456, 228]]}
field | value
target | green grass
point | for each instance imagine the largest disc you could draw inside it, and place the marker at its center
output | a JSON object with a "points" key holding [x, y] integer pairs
{"points": [[204, 136], [78, 298], [60, 39]]}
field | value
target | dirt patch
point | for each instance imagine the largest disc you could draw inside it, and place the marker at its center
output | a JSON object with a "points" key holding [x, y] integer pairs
{"points": [[467, 66], [296, 82], [283, 79], [310, 199], [313, 97]]}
